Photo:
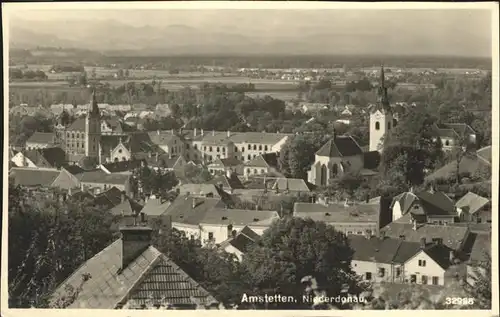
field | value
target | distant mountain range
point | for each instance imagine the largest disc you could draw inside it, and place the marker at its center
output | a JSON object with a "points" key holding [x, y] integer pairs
{"points": [[109, 35]]}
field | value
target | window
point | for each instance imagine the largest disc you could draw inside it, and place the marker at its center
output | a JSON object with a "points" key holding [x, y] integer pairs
{"points": [[218, 149], [210, 150], [478, 220], [223, 149], [368, 276], [421, 263], [204, 148], [248, 171], [249, 157], [424, 279], [236, 149], [254, 156], [413, 279], [388, 125], [349, 232], [435, 280], [260, 147], [77, 144], [120, 151], [398, 272], [447, 142], [394, 122], [359, 232], [255, 171], [191, 236], [187, 146], [381, 272], [242, 149], [255, 147], [265, 148], [377, 125], [262, 171], [195, 146], [210, 236], [249, 147]]}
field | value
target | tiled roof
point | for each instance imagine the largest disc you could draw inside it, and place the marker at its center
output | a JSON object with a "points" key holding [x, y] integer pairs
{"points": [[340, 146], [221, 216], [155, 207], [250, 233], [460, 128], [292, 184], [337, 212], [161, 137], [122, 166], [472, 202], [485, 153], [42, 138], [468, 164], [232, 183], [482, 245], [440, 254], [241, 242], [73, 169], [199, 189], [374, 249], [48, 157], [181, 210], [77, 125], [101, 177], [109, 287], [436, 203], [26, 176], [452, 236], [264, 160], [218, 137]]}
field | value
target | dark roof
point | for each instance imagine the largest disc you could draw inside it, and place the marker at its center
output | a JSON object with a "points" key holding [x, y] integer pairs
{"points": [[181, 210], [469, 164], [241, 242], [221, 216], [127, 207], [340, 146], [122, 166], [150, 276], [73, 169], [232, 182], [292, 184], [440, 254], [264, 160], [48, 157], [33, 176], [371, 159], [42, 138], [77, 125], [155, 206], [452, 236], [250, 233], [436, 203], [374, 249]]}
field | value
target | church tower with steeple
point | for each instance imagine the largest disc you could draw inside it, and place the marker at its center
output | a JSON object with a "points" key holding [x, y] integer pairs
{"points": [[381, 117], [92, 129]]}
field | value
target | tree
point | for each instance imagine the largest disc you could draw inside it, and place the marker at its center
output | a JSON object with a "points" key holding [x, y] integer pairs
{"points": [[479, 285], [293, 248], [52, 238]]}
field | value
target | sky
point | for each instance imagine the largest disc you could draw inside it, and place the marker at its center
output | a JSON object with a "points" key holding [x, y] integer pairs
{"points": [[463, 31]]}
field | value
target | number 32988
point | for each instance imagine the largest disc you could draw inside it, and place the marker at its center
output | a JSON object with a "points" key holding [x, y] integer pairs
{"points": [[459, 301]]}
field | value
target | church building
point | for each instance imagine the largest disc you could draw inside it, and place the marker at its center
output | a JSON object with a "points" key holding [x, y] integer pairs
{"points": [[382, 118]]}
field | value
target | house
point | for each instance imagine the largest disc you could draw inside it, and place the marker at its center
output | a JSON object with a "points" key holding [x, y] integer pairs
{"points": [[338, 156], [450, 135], [391, 260], [481, 250], [355, 219], [261, 165], [474, 208], [125, 275], [454, 237], [239, 243], [41, 140], [126, 206], [134, 146], [113, 125], [122, 167], [201, 190], [424, 207], [473, 164], [228, 183], [222, 166], [295, 185], [98, 181], [167, 162], [33, 177], [53, 157], [168, 141]]}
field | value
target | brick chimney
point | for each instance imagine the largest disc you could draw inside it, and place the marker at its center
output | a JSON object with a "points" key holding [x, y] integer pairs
{"points": [[135, 240]]}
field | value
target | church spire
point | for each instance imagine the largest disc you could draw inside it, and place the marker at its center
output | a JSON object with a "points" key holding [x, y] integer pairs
{"points": [[382, 91], [94, 107]]}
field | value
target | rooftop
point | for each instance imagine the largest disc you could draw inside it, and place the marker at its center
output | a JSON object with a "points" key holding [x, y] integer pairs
{"points": [[472, 202], [42, 138], [101, 177], [223, 216], [191, 210], [340, 146], [26, 176], [292, 184], [150, 276], [337, 212]]}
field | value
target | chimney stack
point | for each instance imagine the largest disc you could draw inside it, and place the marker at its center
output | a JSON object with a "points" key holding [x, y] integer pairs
{"points": [[414, 223], [228, 133], [135, 240], [422, 243], [201, 132], [172, 131], [213, 132], [157, 132], [195, 131], [229, 173], [452, 256], [194, 203]]}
